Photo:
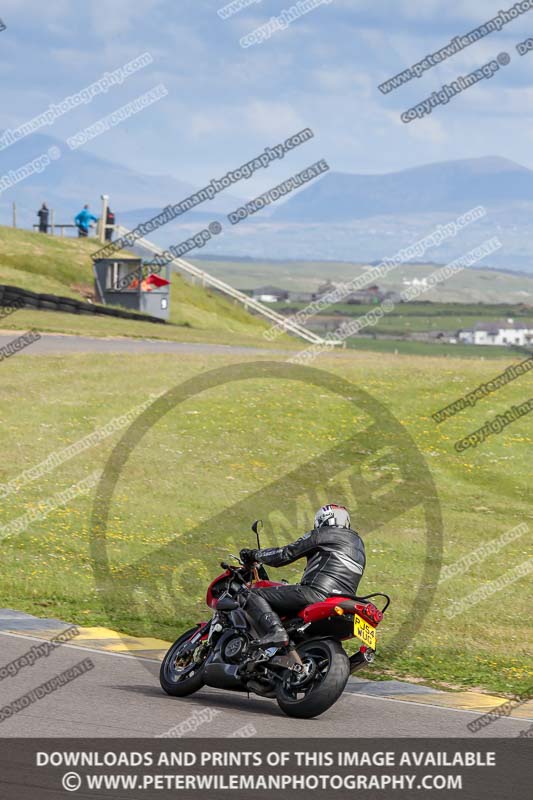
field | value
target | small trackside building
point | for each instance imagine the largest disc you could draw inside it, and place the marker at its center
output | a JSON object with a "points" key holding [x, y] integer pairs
{"points": [[503, 333]]}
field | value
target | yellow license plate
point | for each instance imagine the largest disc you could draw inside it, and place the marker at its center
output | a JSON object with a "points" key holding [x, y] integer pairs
{"points": [[364, 631]]}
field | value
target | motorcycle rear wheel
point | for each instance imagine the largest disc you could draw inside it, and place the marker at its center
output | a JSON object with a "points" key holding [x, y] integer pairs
{"points": [[327, 673], [180, 680]]}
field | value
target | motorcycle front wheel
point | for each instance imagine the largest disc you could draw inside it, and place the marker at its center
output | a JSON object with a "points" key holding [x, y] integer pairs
{"points": [[319, 686], [180, 674]]}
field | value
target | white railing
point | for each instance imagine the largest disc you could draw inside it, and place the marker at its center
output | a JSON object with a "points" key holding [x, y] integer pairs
{"points": [[288, 325]]}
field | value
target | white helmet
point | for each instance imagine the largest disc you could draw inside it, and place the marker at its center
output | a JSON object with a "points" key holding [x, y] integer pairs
{"points": [[332, 515]]}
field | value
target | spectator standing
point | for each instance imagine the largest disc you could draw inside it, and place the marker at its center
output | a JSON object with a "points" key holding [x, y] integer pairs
{"points": [[83, 221], [43, 218], [109, 220]]}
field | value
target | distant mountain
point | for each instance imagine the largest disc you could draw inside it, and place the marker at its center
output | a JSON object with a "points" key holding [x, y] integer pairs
{"points": [[359, 218], [451, 186], [79, 177], [192, 218]]}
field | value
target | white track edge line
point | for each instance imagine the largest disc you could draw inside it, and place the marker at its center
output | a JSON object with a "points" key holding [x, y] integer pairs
{"points": [[432, 705], [81, 647], [345, 694]]}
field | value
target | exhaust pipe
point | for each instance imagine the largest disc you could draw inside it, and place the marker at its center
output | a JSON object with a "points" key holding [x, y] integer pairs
{"points": [[360, 660]]}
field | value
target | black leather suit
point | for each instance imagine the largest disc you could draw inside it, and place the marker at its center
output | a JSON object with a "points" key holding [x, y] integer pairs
{"points": [[335, 564]]}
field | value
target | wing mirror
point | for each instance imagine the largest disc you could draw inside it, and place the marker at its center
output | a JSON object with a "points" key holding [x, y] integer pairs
{"points": [[256, 527]]}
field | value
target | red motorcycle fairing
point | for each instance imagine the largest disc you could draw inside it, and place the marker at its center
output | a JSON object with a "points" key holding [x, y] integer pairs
{"points": [[200, 626], [213, 595], [342, 605], [322, 609]]}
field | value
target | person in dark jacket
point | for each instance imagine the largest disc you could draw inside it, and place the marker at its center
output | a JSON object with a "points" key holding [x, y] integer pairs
{"points": [[335, 563], [109, 220], [83, 221], [43, 218]]}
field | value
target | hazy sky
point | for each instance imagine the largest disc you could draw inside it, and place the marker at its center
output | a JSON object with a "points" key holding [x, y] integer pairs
{"points": [[226, 103]]}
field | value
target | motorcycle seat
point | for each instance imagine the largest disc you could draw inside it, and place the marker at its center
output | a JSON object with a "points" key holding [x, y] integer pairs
{"points": [[322, 609]]}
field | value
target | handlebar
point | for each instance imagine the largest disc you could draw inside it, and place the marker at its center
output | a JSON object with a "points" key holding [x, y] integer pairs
{"points": [[232, 568], [229, 567], [236, 571]]}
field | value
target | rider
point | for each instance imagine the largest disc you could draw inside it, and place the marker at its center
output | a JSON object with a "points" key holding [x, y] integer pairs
{"points": [[335, 563]]}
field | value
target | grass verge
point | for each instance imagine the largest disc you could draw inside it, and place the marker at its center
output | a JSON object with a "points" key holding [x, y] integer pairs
{"points": [[217, 453]]}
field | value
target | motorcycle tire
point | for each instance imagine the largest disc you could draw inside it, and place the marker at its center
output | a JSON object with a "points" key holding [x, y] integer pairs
{"points": [[320, 690], [169, 678]]}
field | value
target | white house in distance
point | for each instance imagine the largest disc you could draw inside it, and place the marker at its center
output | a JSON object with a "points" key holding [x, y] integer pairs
{"points": [[502, 333], [269, 294]]}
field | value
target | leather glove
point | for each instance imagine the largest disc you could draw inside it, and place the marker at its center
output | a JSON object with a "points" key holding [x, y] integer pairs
{"points": [[247, 556]]}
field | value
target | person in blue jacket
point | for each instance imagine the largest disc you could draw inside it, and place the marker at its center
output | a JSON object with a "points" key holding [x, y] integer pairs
{"points": [[83, 221]]}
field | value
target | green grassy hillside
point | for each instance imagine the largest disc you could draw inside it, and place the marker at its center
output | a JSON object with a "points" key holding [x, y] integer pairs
{"points": [[409, 318], [63, 266], [468, 286]]}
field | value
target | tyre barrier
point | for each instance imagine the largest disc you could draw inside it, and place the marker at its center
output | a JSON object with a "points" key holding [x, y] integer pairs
{"points": [[15, 297]]}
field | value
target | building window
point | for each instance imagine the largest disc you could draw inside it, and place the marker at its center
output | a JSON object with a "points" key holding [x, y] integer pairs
{"points": [[116, 272]]}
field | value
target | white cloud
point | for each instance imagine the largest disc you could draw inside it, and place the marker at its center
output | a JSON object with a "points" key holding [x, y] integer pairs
{"points": [[344, 80], [118, 17], [428, 130], [34, 9], [207, 124], [271, 118], [502, 102]]}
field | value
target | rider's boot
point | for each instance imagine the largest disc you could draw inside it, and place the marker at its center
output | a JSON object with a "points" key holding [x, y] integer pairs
{"points": [[272, 633]]}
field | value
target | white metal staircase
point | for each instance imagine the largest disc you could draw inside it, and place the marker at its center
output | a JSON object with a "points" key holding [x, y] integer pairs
{"points": [[285, 323]]}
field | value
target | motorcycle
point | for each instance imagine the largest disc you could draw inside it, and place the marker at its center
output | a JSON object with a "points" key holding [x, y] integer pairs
{"points": [[306, 678]]}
